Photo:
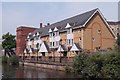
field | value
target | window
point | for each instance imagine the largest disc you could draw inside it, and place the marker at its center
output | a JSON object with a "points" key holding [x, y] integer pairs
{"points": [[117, 28], [56, 33], [50, 34], [53, 34], [50, 44], [80, 39], [53, 44], [80, 30], [35, 38], [68, 31], [93, 39], [117, 34], [99, 31], [57, 43], [69, 41]]}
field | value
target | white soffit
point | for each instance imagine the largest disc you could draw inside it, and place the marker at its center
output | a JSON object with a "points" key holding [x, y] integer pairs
{"points": [[60, 49], [30, 51], [55, 29], [50, 30], [43, 48], [28, 37], [74, 48], [25, 51], [34, 35], [68, 25], [37, 33]]}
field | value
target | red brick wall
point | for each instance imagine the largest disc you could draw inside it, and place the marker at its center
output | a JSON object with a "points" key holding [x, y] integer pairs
{"points": [[21, 36]]}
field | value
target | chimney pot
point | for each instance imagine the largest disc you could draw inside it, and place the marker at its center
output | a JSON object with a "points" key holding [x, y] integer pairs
{"points": [[41, 25], [48, 24]]}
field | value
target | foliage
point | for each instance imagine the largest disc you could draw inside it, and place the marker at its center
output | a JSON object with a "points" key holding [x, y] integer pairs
{"points": [[4, 59], [117, 47], [79, 62], [98, 65], [0, 46], [14, 60], [68, 69], [9, 41]]}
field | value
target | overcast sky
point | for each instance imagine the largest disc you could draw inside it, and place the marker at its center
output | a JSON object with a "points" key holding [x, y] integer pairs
{"points": [[15, 14]]}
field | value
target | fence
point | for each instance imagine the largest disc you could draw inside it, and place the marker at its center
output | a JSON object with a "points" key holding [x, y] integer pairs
{"points": [[48, 60]]}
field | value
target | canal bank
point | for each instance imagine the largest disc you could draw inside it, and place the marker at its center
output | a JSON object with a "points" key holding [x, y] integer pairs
{"points": [[52, 66]]}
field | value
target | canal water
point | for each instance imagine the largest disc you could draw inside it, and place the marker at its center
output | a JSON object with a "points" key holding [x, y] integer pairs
{"points": [[32, 72]]}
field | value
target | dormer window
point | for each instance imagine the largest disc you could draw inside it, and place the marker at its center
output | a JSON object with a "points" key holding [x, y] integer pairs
{"points": [[51, 34], [38, 34], [50, 30], [56, 33], [69, 31], [55, 29]]}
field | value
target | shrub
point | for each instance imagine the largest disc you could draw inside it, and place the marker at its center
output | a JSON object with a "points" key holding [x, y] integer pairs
{"points": [[68, 69], [4, 59], [14, 60], [79, 62], [98, 65]]}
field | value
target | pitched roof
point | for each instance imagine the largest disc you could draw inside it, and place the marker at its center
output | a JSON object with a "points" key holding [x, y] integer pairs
{"points": [[44, 47], [75, 21], [113, 23], [75, 47], [62, 48]]}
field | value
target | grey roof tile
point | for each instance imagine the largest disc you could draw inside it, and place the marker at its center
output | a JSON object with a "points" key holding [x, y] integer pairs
{"points": [[75, 21]]}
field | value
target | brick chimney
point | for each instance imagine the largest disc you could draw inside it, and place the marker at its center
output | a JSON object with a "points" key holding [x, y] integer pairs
{"points": [[48, 24], [41, 25]]}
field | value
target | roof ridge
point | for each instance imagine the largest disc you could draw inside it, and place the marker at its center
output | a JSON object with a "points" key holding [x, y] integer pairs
{"points": [[75, 16]]}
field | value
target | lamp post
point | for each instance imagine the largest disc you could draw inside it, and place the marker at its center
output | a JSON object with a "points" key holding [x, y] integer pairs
{"points": [[37, 51], [60, 48]]}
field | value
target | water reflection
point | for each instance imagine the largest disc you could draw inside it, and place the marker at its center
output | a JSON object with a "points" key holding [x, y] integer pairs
{"points": [[32, 72]]}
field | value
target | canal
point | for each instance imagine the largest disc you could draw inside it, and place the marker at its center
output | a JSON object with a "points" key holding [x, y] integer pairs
{"points": [[32, 72]]}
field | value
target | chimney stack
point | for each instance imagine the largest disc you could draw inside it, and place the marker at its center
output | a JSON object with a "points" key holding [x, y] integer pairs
{"points": [[41, 25], [48, 24]]}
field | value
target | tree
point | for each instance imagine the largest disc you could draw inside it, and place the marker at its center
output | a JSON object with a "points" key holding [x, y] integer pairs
{"points": [[118, 43], [8, 43]]}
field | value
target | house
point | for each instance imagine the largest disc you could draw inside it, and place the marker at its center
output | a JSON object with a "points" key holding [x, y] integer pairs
{"points": [[85, 32], [21, 37], [115, 27]]}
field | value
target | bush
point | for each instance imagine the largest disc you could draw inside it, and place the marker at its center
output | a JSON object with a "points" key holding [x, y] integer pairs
{"points": [[14, 60], [4, 59], [79, 63], [68, 69], [98, 65]]}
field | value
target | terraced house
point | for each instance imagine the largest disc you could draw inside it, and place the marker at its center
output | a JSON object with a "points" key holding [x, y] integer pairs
{"points": [[85, 32]]}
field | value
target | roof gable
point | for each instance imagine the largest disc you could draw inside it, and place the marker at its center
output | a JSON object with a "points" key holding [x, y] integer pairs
{"points": [[44, 47]]}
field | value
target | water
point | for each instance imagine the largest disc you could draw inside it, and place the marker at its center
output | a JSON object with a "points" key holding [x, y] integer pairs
{"points": [[32, 72]]}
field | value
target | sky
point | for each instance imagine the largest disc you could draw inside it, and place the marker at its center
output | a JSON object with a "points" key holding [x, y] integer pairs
{"points": [[14, 14]]}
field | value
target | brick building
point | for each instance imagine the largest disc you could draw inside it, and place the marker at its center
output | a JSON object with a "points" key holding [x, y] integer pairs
{"points": [[21, 37], [115, 27], [85, 32]]}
